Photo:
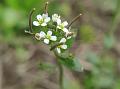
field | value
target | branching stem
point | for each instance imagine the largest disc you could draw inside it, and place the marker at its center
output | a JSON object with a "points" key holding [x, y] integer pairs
{"points": [[29, 32]]}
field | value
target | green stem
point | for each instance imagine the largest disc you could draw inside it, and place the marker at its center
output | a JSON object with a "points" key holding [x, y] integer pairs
{"points": [[60, 75], [61, 71]]}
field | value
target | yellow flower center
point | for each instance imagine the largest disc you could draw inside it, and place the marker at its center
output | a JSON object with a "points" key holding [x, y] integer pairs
{"points": [[48, 36], [41, 21]]}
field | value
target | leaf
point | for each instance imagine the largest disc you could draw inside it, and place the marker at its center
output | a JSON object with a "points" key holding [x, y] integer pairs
{"points": [[71, 62], [46, 66], [67, 60], [77, 66], [70, 42]]}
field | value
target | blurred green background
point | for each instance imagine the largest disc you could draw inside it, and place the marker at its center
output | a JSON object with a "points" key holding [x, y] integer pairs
{"points": [[27, 64]]}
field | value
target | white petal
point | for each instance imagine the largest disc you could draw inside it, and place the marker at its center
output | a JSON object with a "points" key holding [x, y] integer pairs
{"points": [[58, 49], [65, 30], [42, 34], [53, 38], [58, 21], [64, 46], [47, 19], [55, 17], [39, 17], [63, 40], [65, 23], [45, 15], [69, 37], [36, 23], [46, 41], [49, 33], [43, 24]]}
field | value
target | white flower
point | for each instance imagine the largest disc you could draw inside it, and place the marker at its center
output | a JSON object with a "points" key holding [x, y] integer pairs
{"points": [[47, 37], [40, 35], [63, 46], [55, 17], [42, 20], [62, 26]]}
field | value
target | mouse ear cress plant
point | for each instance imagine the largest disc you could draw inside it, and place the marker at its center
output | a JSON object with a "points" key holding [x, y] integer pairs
{"points": [[57, 34]]}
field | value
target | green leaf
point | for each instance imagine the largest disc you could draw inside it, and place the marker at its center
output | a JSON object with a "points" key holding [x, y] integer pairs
{"points": [[70, 42], [77, 66], [67, 60], [46, 66], [71, 62]]}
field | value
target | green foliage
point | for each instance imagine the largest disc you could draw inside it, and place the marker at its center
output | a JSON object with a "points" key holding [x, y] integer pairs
{"points": [[67, 60], [46, 66], [102, 74], [70, 42], [71, 62], [26, 4]]}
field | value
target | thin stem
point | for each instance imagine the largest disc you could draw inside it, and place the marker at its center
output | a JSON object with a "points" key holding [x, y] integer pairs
{"points": [[30, 19], [61, 71], [60, 75], [29, 32], [74, 19], [46, 7]]}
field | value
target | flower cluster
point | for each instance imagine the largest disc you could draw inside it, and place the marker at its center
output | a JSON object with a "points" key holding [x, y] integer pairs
{"points": [[52, 30]]}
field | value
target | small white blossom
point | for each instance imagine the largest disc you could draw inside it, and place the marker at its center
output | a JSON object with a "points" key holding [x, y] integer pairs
{"points": [[62, 26], [47, 37], [42, 20], [55, 18], [63, 46]]}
